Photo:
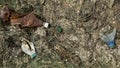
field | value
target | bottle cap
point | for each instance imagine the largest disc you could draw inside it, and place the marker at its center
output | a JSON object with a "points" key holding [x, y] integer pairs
{"points": [[46, 25], [33, 55], [111, 44]]}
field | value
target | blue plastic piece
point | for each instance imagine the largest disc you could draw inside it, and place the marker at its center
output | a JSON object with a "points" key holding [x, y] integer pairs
{"points": [[111, 44], [110, 39]]}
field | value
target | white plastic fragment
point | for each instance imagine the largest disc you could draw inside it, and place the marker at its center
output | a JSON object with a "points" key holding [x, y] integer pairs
{"points": [[109, 39], [28, 48], [46, 25]]}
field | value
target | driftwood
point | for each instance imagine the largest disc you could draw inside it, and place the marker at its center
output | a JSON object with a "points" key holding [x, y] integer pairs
{"points": [[15, 18]]}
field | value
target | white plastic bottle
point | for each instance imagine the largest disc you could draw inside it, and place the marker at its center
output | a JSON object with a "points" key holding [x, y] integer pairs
{"points": [[28, 48], [109, 39]]}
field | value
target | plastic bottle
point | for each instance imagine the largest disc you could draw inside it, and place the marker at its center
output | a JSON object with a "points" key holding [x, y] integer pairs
{"points": [[28, 48], [109, 39]]}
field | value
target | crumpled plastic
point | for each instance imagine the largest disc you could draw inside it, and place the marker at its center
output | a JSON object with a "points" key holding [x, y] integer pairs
{"points": [[28, 48], [109, 39]]}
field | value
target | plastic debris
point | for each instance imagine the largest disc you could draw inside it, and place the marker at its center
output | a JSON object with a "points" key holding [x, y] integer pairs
{"points": [[46, 25], [109, 39], [59, 29], [23, 19], [28, 48]]}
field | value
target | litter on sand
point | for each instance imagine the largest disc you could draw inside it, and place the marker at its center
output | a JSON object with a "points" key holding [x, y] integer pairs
{"points": [[28, 48], [109, 39], [59, 29], [25, 20]]}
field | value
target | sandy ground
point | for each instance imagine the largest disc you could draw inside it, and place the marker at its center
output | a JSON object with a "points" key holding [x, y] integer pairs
{"points": [[77, 46]]}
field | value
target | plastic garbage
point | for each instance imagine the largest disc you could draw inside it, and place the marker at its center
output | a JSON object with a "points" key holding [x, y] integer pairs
{"points": [[59, 29], [24, 19], [28, 48], [45, 24], [109, 39]]}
